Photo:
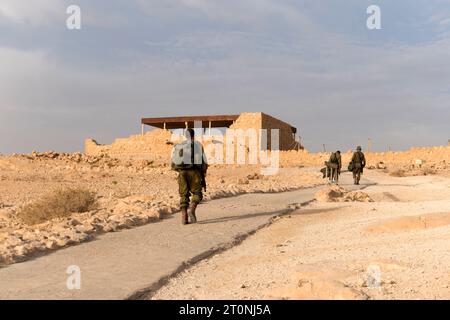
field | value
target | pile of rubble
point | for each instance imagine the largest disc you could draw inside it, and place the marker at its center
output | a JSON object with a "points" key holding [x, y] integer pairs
{"points": [[420, 168], [100, 161], [335, 193], [380, 166], [124, 201], [19, 241], [69, 157]]}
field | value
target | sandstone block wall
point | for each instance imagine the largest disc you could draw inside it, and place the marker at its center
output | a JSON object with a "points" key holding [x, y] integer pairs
{"points": [[259, 120], [287, 139], [157, 144]]}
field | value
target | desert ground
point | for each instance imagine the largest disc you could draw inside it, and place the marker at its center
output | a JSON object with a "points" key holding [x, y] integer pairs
{"points": [[127, 194], [385, 239], [393, 246]]}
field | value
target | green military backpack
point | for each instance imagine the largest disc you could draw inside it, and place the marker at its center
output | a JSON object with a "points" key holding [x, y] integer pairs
{"points": [[351, 166], [187, 156]]}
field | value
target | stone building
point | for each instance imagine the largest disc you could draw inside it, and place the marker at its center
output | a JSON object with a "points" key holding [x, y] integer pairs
{"points": [[157, 144]]}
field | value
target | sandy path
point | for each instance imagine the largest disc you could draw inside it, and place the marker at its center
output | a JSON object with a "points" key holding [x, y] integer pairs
{"points": [[394, 248], [118, 264]]}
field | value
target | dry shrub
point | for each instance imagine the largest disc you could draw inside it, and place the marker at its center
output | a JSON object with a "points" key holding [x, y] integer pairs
{"points": [[398, 173], [58, 204]]}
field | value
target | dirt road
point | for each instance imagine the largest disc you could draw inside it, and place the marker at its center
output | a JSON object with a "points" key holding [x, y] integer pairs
{"points": [[117, 265], [393, 248]]}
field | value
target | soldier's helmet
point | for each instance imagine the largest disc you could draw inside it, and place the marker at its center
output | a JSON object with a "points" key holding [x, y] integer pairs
{"points": [[358, 148], [190, 133]]}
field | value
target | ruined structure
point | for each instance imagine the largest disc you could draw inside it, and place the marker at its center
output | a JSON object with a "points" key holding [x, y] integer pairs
{"points": [[157, 144]]}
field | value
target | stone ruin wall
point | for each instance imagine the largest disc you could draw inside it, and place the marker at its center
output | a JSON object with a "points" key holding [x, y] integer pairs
{"points": [[287, 140], [259, 120], [434, 157], [156, 145]]}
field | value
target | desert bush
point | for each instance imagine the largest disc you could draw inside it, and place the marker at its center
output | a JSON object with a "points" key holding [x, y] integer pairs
{"points": [[58, 204]]}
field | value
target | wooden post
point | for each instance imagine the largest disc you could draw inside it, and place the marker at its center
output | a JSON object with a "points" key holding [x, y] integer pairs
{"points": [[209, 129], [142, 129], [165, 126]]}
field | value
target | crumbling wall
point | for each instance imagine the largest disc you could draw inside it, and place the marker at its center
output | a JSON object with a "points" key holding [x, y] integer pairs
{"points": [[259, 120], [155, 145], [248, 120], [434, 157], [286, 136]]}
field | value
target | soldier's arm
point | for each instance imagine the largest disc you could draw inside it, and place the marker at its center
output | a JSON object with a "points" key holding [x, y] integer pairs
{"points": [[172, 162]]}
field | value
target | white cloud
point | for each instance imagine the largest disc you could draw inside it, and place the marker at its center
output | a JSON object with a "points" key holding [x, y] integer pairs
{"points": [[299, 71], [34, 13], [249, 12]]}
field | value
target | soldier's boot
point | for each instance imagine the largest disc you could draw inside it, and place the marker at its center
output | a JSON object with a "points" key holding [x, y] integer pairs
{"points": [[191, 211], [184, 216]]}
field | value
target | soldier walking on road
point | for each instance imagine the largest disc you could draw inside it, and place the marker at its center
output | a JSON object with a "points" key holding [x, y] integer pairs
{"points": [[189, 160], [335, 164], [358, 162]]}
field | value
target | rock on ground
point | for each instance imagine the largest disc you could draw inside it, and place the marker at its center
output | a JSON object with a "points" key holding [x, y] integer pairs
{"points": [[335, 193]]}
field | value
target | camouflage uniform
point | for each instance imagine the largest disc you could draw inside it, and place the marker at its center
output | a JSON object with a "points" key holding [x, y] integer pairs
{"points": [[336, 165], [189, 182], [189, 160], [359, 162]]}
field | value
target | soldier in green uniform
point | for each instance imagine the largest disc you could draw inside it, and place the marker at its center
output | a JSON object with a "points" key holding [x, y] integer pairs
{"points": [[358, 162], [335, 164], [189, 160]]}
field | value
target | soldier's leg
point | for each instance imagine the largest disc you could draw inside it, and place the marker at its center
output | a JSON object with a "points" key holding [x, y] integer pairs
{"points": [[183, 188], [195, 184], [354, 175], [357, 175]]}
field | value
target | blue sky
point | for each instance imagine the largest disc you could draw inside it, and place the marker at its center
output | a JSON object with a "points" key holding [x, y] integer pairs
{"points": [[312, 63]]}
